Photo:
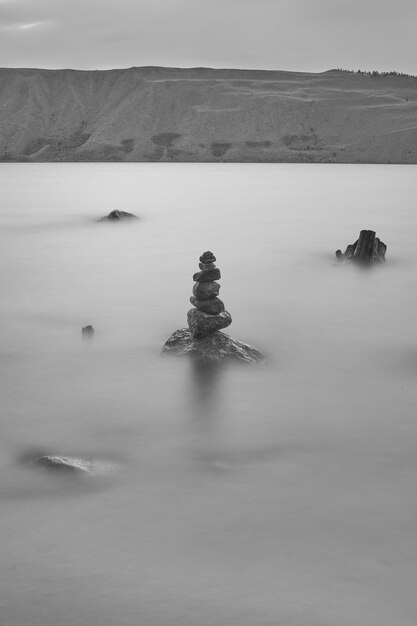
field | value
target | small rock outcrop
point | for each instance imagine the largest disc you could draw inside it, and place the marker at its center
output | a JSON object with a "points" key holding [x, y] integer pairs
{"points": [[87, 332], [366, 250], [212, 348], [64, 464], [203, 339], [60, 465], [118, 216]]}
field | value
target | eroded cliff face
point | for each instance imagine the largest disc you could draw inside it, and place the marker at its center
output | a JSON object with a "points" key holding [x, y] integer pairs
{"points": [[166, 114]]}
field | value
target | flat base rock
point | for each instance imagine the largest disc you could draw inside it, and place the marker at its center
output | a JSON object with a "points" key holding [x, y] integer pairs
{"points": [[203, 324], [217, 347]]}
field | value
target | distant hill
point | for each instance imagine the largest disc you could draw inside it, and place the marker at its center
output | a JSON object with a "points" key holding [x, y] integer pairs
{"points": [[200, 114]]}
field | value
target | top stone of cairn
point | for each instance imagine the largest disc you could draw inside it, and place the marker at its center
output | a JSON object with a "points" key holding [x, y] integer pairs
{"points": [[207, 257]]}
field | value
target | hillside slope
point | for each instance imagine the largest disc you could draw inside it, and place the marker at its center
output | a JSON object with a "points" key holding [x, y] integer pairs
{"points": [[166, 114]]}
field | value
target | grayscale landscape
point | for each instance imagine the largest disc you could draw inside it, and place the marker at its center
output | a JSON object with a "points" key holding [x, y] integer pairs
{"points": [[208, 347]]}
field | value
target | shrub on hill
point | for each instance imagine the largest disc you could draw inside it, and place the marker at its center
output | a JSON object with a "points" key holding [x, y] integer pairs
{"points": [[375, 74]]}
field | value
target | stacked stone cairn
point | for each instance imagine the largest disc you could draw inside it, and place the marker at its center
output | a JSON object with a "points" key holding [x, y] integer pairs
{"points": [[209, 314], [202, 340]]}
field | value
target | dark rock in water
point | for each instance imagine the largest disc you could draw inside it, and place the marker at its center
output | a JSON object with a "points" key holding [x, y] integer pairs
{"points": [[207, 266], [205, 291], [203, 324], [87, 331], [214, 306], [118, 216], [67, 465], [207, 257], [64, 464], [366, 250], [206, 276], [217, 347]]}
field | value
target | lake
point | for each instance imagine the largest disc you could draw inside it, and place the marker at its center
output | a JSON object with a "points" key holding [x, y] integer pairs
{"points": [[271, 495]]}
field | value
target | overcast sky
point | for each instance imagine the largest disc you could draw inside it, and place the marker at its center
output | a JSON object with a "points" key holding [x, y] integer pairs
{"points": [[309, 35]]}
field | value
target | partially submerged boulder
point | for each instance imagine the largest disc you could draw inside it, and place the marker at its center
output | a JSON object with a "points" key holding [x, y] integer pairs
{"points": [[68, 465], [118, 216], [203, 340], [366, 250], [87, 331], [64, 464], [215, 348]]}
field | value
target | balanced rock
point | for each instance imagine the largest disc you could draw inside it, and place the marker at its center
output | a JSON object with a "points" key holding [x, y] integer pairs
{"points": [[206, 290], [203, 324], [207, 266], [207, 275], [207, 257], [209, 315], [214, 306], [118, 216], [203, 340]]}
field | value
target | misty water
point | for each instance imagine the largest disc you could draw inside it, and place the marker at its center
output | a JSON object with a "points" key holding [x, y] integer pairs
{"points": [[271, 495]]}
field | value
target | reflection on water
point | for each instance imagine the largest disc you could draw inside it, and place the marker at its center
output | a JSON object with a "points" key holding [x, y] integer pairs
{"points": [[205, 379], [243, 495], [205, 408]]}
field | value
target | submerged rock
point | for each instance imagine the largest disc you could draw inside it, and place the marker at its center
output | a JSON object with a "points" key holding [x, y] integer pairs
{"points": [[118, 216], [367, 249], [64, 464], [68, 465], [217, 347], [87, 331]]}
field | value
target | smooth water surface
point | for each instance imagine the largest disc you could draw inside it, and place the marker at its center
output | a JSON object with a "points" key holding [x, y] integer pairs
{"points": [[250, 496]]}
